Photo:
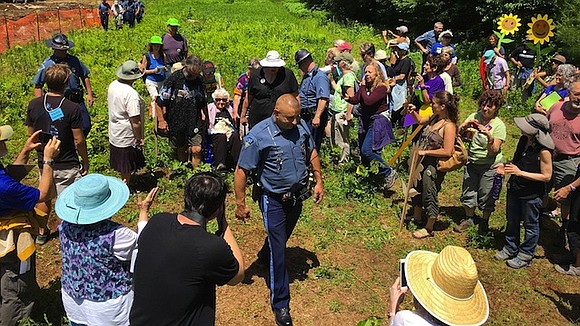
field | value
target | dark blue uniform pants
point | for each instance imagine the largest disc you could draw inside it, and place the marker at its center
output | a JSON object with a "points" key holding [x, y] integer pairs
{"points": [[279, 221]]}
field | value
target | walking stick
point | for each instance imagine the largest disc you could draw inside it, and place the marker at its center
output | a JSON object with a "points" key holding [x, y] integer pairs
{"points": [[415, 161], [404, 145]]}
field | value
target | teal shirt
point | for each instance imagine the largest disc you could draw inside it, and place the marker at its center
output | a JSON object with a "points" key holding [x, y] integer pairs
{"points": [[338, 103], [478, 146]]}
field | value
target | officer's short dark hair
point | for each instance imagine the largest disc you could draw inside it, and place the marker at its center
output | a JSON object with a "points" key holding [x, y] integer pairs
{"points": [[56, 77], [205, 193]]}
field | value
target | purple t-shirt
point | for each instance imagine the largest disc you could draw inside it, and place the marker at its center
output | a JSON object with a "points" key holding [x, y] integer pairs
{"points": [[497, 72], [175, 48], [14, 195], [433, 85]]}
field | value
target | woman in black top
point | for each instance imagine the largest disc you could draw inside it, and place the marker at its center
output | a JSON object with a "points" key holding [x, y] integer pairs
{"points": [[530, 170], [267, 84]]}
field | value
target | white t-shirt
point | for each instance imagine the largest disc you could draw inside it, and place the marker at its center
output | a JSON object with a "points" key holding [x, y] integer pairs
{"points": [[124, 103], [448, 82], [413, 318]]}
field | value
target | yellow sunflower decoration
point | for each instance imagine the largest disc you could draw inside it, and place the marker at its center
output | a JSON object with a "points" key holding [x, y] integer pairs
{"points": [[509, 24], [541, 29]]}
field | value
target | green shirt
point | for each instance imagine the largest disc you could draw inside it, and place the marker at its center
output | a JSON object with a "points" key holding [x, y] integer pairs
{"points": [[478, 146], [338, 103]]}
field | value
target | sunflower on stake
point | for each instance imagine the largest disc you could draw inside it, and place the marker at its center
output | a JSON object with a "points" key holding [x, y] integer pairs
{"points": [[507, 24], [540, 31]]}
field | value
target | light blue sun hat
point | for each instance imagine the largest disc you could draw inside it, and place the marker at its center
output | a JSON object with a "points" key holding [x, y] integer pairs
{"points": [[92, 199]]}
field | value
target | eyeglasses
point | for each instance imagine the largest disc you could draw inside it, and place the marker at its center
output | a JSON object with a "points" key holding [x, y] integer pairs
{"points": [[221, 99]]}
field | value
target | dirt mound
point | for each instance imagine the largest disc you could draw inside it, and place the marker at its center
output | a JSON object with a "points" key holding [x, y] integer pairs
{"points": [[17, 10]]}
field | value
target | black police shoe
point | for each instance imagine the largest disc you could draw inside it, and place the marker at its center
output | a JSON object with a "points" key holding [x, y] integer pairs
{"points": [[283, 317]]}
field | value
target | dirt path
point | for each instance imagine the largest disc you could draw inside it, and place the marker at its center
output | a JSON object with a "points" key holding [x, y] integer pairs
{"points": [[16, 10]]}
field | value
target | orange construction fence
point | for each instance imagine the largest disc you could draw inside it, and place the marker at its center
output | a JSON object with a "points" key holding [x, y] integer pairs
{"points": [[42, 25]]}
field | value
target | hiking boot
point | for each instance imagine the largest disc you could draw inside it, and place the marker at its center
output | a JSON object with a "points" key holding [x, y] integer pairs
{"points": [[519, 261], [464, 225], [567, 269], [390, 179], [503, 255]]}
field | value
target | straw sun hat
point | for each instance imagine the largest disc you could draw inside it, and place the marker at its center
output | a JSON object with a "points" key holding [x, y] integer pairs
{"points": [[447, 285]]}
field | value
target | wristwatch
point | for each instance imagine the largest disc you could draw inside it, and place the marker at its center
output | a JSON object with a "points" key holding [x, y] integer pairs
{"points": [[48, 162]]}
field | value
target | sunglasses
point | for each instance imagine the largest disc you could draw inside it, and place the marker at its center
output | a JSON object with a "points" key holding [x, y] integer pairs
{"points": [[221, 99]]}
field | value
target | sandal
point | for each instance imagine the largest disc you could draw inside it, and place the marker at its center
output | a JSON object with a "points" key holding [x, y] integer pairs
{"points": [[422, 234]]}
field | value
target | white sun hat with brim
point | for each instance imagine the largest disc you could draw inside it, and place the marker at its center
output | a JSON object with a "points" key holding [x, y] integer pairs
{"points": [[91, 199], [272, 60], [447, 286]]}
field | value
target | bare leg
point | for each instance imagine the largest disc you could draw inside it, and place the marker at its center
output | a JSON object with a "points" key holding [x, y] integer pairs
{"points": [[195, 156]]}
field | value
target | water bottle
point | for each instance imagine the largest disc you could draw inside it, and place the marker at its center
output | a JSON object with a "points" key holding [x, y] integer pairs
{"points": [[496, 187]]}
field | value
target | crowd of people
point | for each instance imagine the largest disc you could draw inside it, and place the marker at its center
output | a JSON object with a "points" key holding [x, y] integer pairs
{"points": [[270, 135], [126, 12]]}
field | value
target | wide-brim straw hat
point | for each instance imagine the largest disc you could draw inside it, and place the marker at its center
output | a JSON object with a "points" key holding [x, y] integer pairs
{"points": [[538, 125], [272, 60], [91, 199], [447, 285]]}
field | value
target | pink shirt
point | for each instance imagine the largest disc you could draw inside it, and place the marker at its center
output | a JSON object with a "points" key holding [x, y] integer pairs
{"points": [[565, 129]]}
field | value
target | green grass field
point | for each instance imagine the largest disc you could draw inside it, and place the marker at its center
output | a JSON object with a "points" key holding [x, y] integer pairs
{"points": [[343, 255]]}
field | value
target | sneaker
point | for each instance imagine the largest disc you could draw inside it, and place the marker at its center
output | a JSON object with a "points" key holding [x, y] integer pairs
{"points": [[520, 261], [567, 269], [464, 225], [390, 179], [503, 255]]}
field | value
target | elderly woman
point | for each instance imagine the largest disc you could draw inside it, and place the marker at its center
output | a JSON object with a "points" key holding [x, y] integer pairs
{"points": [[433, 280], [268, 83], [223, 135], [487, 133], [561, 86], [444, 40], [436, 142], [544, 78], [241, 89], [451, 69], [375, 130], [153, 67], [530, 170], [96, 252]]}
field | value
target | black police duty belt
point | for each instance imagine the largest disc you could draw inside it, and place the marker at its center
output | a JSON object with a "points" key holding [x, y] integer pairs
{"points": [[294, 196]]}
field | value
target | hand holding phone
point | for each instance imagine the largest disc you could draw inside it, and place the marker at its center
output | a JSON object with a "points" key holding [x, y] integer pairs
{"points": [[45, 137], [402, 275]]}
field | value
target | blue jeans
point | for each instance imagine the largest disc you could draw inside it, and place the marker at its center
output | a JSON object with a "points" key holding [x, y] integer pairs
{"points": [[368, 155], [528, 211], [280, 218]]}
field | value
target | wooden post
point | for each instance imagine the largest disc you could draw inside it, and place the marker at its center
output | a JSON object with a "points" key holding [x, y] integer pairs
{"points": [[81, 16], [37, 26], [58, 15], [6, 25]]}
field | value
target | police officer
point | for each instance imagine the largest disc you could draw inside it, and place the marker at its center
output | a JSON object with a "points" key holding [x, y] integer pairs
{"points": [[80, 76], [314, 95], [279, 149]]}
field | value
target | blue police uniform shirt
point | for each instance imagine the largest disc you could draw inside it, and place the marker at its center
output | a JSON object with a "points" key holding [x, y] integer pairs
{"points": [[427, 39], [79, 70], [314, 86], [280, 157], [14, 195]]}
